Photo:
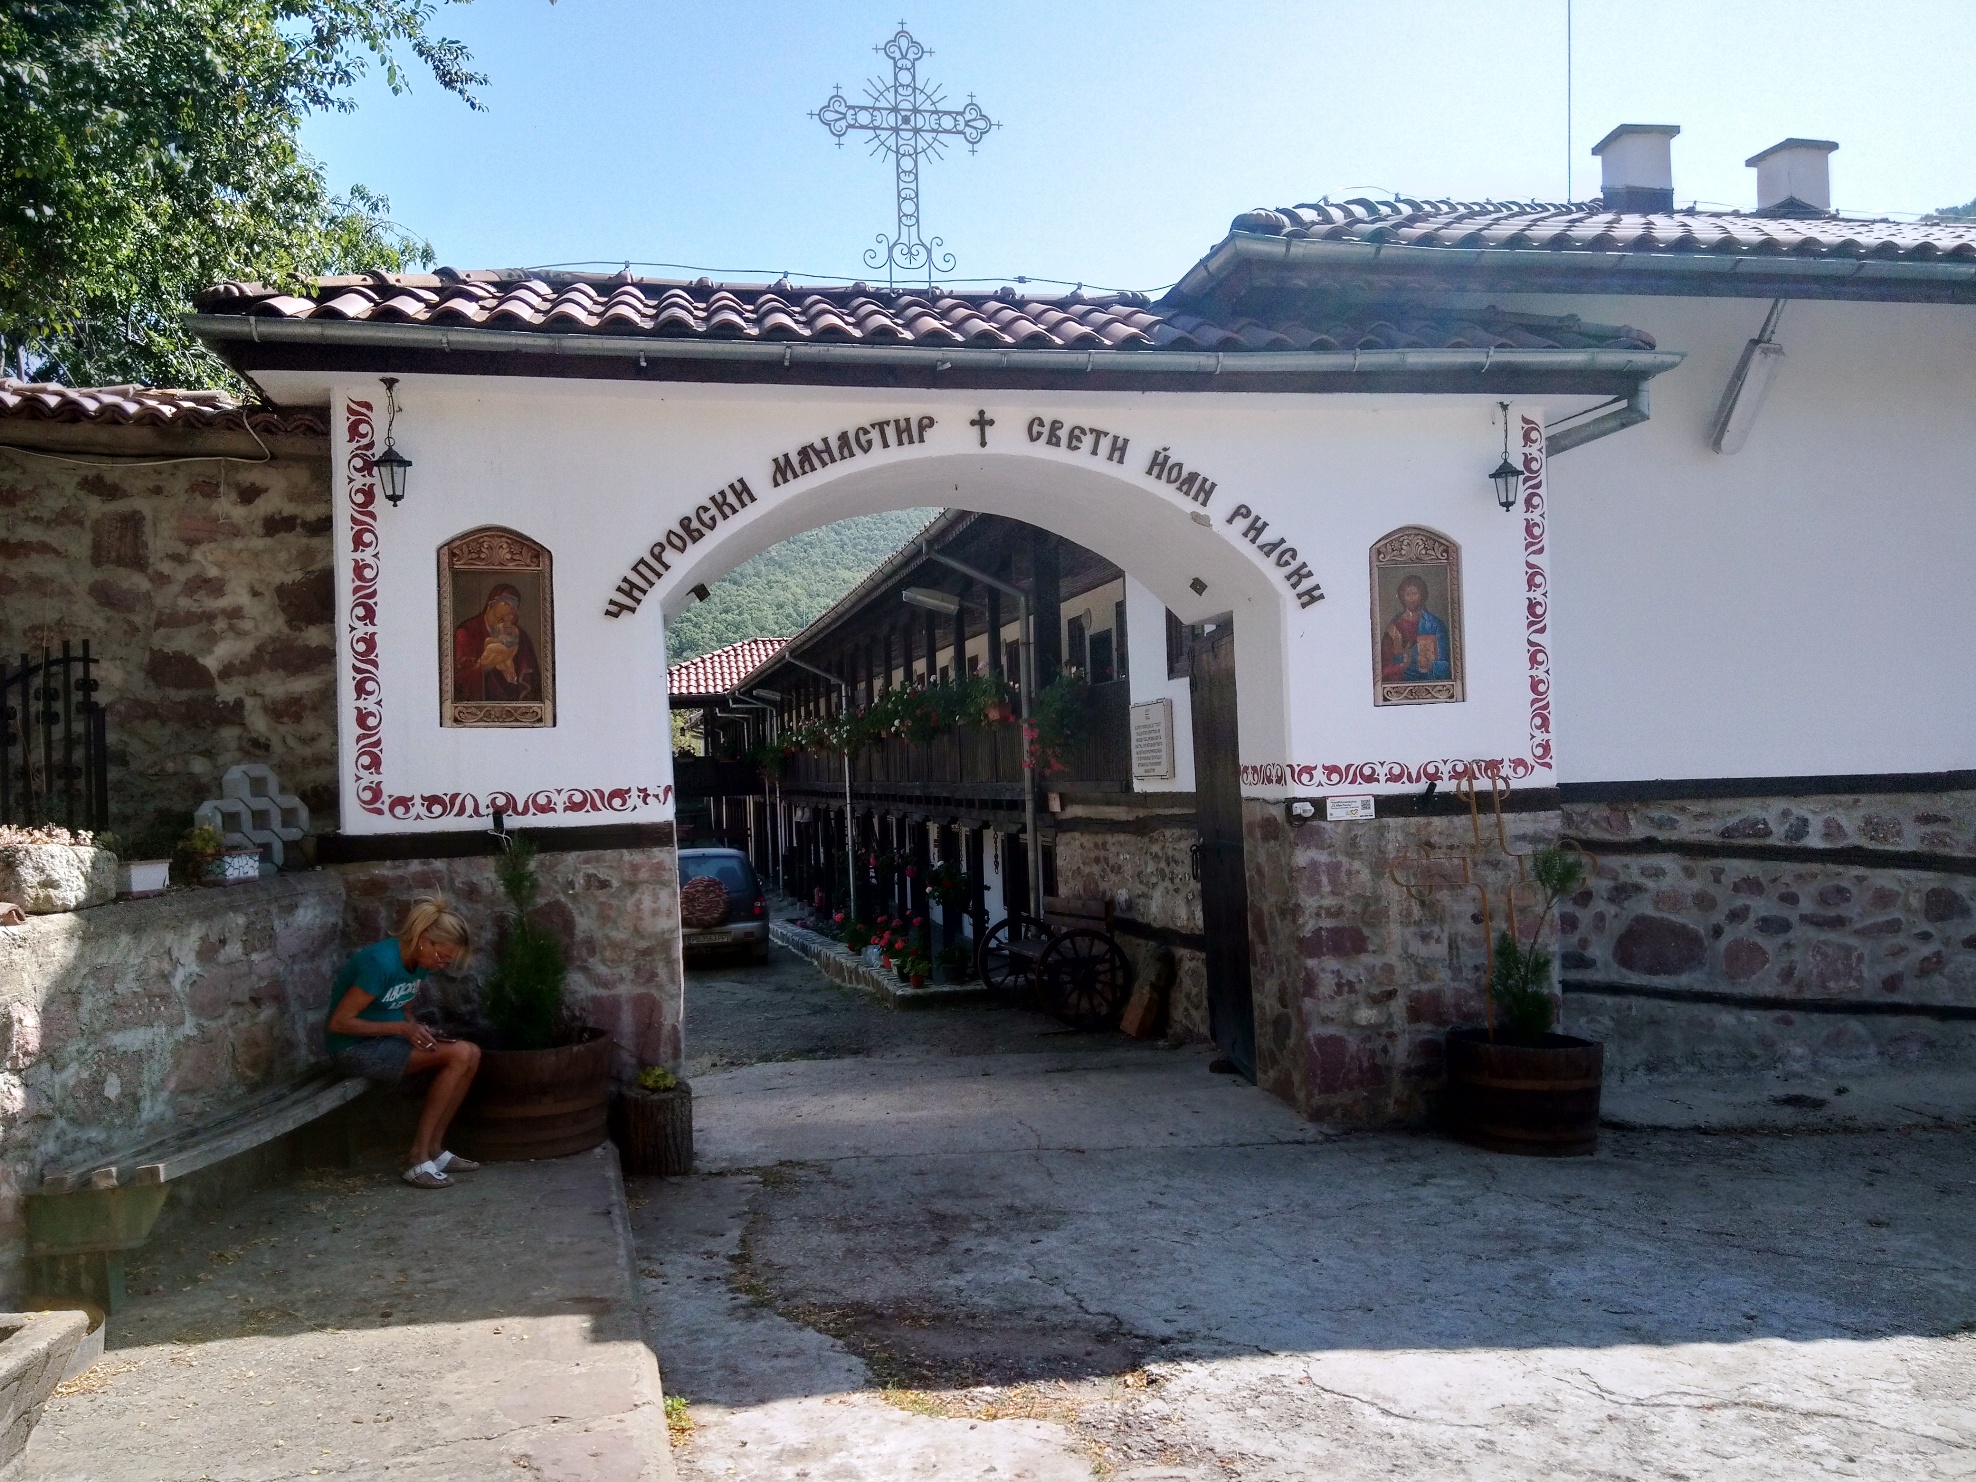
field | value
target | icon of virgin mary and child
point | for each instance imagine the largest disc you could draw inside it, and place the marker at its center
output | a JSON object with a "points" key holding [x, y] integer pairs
{"points": [[1414, 648], [492, 657]]}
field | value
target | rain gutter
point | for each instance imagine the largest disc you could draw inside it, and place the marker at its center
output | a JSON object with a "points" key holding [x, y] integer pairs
{"points": [[789, 353], [1656, 272]]}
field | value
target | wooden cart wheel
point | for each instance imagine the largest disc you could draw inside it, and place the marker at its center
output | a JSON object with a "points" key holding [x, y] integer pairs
{"points": [[1000, 970], [1084, 979]]}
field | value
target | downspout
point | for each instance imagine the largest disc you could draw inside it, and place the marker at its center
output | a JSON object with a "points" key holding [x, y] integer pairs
{"points": [[1631, 413]]}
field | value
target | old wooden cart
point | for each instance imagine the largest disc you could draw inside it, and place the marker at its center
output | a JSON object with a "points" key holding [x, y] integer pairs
{"points": [[1069, 962]]}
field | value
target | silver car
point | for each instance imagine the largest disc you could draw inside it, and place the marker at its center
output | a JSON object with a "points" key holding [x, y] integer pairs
{"points": [[745, 927]]}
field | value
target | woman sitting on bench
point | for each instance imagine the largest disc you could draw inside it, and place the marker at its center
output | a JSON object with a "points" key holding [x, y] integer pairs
{"points": [[368, 1033]]}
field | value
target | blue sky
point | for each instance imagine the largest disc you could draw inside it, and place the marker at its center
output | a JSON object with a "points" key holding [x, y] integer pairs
{"points": [[1131, 133]]}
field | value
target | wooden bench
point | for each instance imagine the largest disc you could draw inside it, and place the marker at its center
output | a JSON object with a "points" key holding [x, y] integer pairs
{"points": [[80, 1222]]}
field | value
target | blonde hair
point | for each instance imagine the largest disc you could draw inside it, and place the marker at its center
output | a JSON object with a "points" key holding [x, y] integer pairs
{"points": [[432, 919]]}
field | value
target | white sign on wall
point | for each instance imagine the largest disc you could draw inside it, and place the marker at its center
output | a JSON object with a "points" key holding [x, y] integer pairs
{"points": [[1152, 740], [1349, 810]]}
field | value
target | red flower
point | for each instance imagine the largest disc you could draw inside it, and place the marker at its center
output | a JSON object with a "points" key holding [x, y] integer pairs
{"points": [[912, 872]]}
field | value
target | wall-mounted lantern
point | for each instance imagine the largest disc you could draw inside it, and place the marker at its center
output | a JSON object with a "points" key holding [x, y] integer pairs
{"points": [[1507, 478], [391, 465]]}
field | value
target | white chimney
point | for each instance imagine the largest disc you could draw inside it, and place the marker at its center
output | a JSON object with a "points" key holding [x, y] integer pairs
{"points": [[1794, 178], [1637, 167]]}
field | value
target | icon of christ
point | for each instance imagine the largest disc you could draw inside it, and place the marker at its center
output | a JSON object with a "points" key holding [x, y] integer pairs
{"points": [[1414, 648]]}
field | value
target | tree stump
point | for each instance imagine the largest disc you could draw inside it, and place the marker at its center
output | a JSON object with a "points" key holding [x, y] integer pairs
{"points": [[655, 1130]]}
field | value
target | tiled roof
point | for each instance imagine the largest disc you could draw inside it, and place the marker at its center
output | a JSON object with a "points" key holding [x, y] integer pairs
{"points": [[864, 315], [720, 671], [145, 406], [1589, 227]]}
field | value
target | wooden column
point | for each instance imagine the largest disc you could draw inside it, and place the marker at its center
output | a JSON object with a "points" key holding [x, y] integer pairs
{"points": [[1046, 603]]}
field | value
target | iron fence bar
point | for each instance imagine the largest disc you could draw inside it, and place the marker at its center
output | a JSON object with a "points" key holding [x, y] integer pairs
{"points": [[45, 717], [6, 743], [70, 771]]}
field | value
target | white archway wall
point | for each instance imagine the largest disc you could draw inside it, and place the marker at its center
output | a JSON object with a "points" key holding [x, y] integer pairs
{"points": [[600, 471]]}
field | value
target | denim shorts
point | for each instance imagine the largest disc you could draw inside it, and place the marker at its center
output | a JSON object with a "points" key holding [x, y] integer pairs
{"points": [[381, 1059]]}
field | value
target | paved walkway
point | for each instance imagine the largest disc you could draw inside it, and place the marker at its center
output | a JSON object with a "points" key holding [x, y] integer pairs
{"points": [[345, 1325], [956, 1246]]}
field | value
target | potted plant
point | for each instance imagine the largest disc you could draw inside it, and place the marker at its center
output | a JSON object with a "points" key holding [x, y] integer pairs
{"points": [[913, 968], [543, 1090], [957, 961], [653, 1123], [1057, 722], [1513, 1085]]}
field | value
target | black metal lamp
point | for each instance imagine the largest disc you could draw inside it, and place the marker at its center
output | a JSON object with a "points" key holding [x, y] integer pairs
{"points": [[391, 465], [1507, 478]]}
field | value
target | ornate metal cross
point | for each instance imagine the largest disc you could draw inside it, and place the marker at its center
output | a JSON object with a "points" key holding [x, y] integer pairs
{"points": [[906, 120]]}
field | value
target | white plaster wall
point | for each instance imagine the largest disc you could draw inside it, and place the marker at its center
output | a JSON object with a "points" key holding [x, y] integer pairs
{"points": [[1794, 609], [1145, 622], [608, 758], [599, 471]]}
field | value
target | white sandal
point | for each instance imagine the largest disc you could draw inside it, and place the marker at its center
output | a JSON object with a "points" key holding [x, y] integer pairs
{"points": [[426, 1175], [449, 1163]]}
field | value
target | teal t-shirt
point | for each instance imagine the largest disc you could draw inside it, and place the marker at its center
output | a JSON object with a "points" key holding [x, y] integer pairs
{"points": [[381, 972]]}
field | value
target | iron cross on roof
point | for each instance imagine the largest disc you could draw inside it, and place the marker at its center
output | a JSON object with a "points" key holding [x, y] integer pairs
{"points": [[906, 120]]}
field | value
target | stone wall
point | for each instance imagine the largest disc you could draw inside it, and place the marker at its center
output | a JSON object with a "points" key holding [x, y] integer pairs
{"points": [[1743, 935], [122, 1022], [126, 1021], [204, 585], [616, 912], [1368, 944], [1148, 861]]}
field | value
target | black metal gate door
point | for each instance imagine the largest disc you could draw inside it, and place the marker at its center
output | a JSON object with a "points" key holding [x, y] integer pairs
{"points": [[1224, 882]]}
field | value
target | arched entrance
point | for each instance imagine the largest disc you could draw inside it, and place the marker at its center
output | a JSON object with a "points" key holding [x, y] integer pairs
{"points": [[1244, 508]]}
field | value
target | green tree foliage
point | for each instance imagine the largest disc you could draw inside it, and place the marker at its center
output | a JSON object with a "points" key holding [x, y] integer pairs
{"points": [[788, 585], [149, 148], [1521, 980], [1965, 212]]}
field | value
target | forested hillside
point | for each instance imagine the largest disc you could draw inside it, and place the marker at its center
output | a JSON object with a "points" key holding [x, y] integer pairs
{"points": [[787, 585]]}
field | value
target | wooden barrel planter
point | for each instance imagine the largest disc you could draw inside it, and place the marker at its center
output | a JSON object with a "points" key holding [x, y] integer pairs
{"points": [[539, 1103], [654, 1130], [1541, 1100]]}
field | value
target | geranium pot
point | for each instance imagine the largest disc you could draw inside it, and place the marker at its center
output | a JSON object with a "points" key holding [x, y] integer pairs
{"points": [[539, 1103], [1536, 1097], [234, 867], [654, 1129], [918, 980]]}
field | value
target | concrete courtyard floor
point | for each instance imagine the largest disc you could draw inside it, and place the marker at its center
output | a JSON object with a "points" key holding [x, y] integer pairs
{"points": [[342, 1324], [963, 1244]]}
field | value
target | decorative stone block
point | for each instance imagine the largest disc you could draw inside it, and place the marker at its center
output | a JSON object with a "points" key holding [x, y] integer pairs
{"points": [[43, 879]]}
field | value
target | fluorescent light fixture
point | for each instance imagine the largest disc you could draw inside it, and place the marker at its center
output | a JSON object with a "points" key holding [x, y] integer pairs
{"points": [[932, 599], [1744, 396]]}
